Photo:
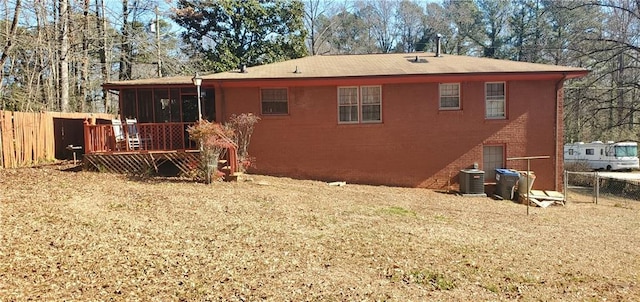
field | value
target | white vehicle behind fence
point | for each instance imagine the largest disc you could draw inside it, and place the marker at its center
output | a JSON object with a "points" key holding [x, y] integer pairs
{"points": [[607, 156]]}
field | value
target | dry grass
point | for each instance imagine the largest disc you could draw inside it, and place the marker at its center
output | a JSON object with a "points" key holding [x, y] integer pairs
{"points": [[85, 235]]}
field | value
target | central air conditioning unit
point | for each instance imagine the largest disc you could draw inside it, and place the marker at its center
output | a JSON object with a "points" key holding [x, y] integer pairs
{"points": [[472, 182]]}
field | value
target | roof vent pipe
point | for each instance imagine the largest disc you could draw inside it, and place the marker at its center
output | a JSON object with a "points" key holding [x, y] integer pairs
{"points": [[438, 49]]}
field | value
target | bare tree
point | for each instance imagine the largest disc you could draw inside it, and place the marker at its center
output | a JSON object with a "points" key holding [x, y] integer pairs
{"points": [[606, 42], [409, 16], [465, 17], [58, 52], [347, 33], [126, 53], [10, 39], [318, 25], [11, 35], [482, 22], [436, 22], [378, 17], [528, 30], [101, 25], [85, 55], [63, 54]]}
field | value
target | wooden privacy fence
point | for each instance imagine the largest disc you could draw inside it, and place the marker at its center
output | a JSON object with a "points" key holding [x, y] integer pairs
{"points": [[29, 138]]}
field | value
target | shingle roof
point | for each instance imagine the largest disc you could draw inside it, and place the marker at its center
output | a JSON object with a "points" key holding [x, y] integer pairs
{"points": [[333, 66]]}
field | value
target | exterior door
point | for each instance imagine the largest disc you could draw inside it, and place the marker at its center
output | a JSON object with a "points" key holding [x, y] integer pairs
{"points": [[492, 159]]}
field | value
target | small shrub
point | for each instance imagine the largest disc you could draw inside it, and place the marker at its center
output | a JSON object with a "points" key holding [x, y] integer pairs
{"points": [[577, 179], [213, 140], [440, 282], [492, 288], [579, 166], [433, 280], [242, 126], [102, 168], [399, 211]]}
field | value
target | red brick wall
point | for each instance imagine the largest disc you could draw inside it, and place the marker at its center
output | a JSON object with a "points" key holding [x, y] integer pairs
{"points": [[416, 145], [559, 160]]}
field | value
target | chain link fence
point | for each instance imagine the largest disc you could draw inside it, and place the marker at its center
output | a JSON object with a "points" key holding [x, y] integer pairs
{"points": [[596, 186]]}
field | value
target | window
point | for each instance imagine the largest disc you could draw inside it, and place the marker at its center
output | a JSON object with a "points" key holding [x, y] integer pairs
{"points": [[129, 103], [495, 100], [371, 103], [450, 96], [625, 151], [570, 151], [348, 104], [589, 151], [359, 104], [274, 101], [492, 159]]}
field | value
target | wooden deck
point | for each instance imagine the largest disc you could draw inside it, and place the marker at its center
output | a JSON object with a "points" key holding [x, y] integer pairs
{"points": [[143, 162], [162, 145]]}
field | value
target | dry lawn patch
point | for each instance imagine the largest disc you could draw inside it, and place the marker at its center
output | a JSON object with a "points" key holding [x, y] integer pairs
{"points": [[86, 235]]}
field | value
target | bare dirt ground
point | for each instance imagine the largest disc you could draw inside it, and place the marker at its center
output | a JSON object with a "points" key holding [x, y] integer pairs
{"points": [[97, 236]]}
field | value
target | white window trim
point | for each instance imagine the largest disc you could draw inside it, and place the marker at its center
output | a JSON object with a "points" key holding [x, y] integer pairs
{"points": [[504, 101], [440, 97], [359, 105], [261, 101]]}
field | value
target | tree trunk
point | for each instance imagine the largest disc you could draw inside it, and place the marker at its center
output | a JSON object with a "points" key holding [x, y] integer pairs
{"points": [[621, 87], [101, 25], [63, 55], [125, 56], [11, 35], [85, 57]]}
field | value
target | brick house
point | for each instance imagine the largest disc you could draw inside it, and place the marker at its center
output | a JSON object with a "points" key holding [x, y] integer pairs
{"points": [[411, 120]]}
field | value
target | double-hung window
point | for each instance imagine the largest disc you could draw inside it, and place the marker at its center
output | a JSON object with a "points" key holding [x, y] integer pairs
{"points": [[371, 103], [449, 96], [348, 104], [274, 101], [495, 100], [359, 104]]}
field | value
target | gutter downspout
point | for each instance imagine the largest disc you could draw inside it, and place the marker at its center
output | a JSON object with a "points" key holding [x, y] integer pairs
{"points": [[558, 143]]}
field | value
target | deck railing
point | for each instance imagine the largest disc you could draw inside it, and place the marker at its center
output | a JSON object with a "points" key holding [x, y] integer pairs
{"points": [[100, 141], [152, 136]]}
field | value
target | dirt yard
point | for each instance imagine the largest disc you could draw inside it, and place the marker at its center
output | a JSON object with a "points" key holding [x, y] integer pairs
{"points": [[96, 236]]}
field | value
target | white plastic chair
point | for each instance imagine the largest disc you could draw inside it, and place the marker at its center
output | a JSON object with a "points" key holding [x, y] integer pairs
{"points": [[133, 137], [118, 134]]}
